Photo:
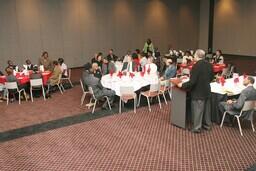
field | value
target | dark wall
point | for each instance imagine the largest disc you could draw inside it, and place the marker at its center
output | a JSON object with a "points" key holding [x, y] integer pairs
{"points": [[76, 29], [234, 26]]}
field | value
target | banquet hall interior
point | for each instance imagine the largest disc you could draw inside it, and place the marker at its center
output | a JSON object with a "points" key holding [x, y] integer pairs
{"points": [[54, 117]]}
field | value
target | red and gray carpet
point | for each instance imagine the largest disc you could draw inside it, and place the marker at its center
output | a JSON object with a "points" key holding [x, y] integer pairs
{"points": [[127, 141]]}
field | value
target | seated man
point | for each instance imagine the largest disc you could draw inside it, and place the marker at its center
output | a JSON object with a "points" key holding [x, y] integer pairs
{"points": [[130, 65], [11, 65], [111, 56], [1, 74], [107, 66], [63, 67], [150, 67], [170, 71], [29, 64], [249, 93], [99, 91], [96, 70], [53, 80]]}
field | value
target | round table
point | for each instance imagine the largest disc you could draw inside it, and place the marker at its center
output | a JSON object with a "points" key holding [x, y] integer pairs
{"points": [[24, 79], [114, 82]]}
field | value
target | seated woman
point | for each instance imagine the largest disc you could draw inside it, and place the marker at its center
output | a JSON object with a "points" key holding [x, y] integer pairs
{"points": [[96, 71], [63, 67], [11, 78], [170, 70], [218, 58], [53, 80], [11, 65], [46, 62]]}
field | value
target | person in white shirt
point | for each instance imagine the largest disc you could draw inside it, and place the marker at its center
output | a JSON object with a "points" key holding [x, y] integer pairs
{"points": [[218, 58], [126, 56], [150, 67], [187, 58], [63, 67]]}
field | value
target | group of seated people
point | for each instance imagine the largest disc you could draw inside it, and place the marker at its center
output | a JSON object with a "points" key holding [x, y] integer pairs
{"points": [[188, 56], [135, 61], [56, 67]]}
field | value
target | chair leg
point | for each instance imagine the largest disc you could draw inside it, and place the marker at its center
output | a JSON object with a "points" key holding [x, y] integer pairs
{"points": [[31, 95], [60, 89], [7, 96], [43, 93], [240, 129], [164, 98], [70, 83], [120, 105], [159, 101], [94, 106], [252, 125], [82, 99], [149, 108], [170, 93], [19, 96], [108, 103], [139, 101], [135, 102], [223, 117]]}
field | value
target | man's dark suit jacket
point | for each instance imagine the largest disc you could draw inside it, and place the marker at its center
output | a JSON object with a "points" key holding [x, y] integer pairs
{"points": [[112, 57], [125, 65], [200, 79]]}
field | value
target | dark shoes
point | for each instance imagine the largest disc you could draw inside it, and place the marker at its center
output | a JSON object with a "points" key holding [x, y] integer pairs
{"points": [[196, 131], [208, 128]]}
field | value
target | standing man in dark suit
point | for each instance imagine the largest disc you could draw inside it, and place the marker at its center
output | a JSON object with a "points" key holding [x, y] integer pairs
{"points": [[199, 85], [249, 93]]}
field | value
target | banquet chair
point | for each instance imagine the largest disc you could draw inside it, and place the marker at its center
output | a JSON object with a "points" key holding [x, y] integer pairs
{"points": [[36, 84], [127, 93], [14, 86], [165, 88], [249, 106], [224, 72], [84, 92], [230, 71], [59, 84], [95, 100], [68, 78], [154, 91]]}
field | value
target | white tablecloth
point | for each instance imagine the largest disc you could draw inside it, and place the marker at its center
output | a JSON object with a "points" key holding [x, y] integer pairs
{"points": [[230, 88], [137, 82]]}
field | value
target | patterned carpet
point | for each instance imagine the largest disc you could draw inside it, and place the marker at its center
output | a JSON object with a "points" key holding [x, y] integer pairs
{"points": [[128, 141]]}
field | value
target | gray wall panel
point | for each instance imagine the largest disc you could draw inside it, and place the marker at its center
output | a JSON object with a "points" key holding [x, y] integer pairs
{"points": [[76, 29]]}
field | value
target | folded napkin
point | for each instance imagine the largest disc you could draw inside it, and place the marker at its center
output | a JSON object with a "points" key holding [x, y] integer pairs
{"points": [[132, 74], [142, 73], [222, 80], [120, 74]]}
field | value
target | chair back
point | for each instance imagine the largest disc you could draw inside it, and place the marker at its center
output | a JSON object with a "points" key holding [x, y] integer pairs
{"points": [[224, 72], [154, 88], [248, 105], [126, 90], [91, 92], [82, 85], [11, 85], [59, 79], [69, 73], [36, 82]]}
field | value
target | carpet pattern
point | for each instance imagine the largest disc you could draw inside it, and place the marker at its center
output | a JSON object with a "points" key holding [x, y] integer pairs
{"points": [[129, 141]]}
